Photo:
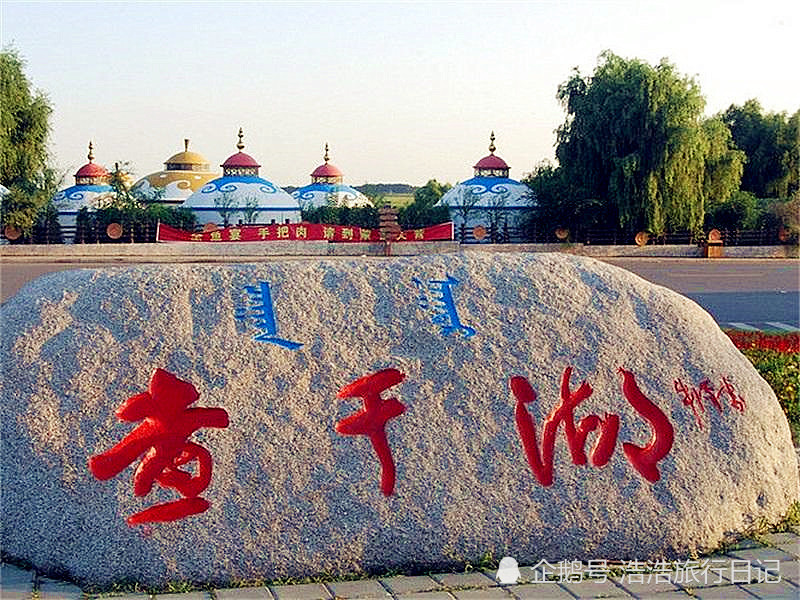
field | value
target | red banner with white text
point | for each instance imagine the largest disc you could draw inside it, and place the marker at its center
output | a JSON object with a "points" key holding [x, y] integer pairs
{"points": [[301, 232]]}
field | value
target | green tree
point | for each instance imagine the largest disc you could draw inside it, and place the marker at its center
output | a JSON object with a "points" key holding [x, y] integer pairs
{"points": [[724, 163], [227, 206], [250, 210], [46, 229], [123, 196], [137, 212], [739, 211], [423, 212], [465, 207], [633, 140], [558, 205], [771, 144], [430, 193], [24, 128], [784, 214]]}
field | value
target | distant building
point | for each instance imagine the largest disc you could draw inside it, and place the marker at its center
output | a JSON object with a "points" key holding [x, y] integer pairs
{"points": [[327, 189], [241, 196], [185, 173], [90, 189], [490, 199]]}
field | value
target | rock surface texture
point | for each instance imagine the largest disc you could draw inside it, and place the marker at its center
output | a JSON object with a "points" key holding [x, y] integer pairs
{"points": [[683, 442]]}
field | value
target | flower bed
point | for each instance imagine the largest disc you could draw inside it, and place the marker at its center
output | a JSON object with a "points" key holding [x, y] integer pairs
{"points": [[777, 359]]}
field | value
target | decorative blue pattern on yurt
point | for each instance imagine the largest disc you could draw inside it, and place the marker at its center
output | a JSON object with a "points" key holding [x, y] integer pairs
{"points": [[322, 194], [492, 192], [76, 197]]}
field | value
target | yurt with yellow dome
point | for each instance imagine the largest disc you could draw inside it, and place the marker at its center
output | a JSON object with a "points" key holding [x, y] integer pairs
{"points": [[184, 173]]}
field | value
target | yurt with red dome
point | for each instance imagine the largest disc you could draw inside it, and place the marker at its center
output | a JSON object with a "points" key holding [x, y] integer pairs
{"points": [[90, 190], [490, 200], [326, 189], [241, 195]]}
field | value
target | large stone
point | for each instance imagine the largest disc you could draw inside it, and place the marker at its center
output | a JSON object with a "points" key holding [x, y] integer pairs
{"points": [[291, 496]]}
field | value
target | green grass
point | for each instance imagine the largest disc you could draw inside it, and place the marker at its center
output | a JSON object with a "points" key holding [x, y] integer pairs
{"points": [[399, 200], [782, 372]]}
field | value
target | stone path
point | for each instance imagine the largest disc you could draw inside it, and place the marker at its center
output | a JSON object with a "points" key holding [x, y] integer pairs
{"points": [[768, 567]]}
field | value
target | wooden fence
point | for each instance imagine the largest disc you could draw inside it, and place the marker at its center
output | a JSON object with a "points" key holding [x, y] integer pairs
{"points": [[491, 235]]}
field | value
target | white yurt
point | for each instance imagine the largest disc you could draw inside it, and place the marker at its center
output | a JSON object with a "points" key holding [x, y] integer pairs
{"points": [[326, 189], [90, 190], [242, 196], [490, 200], [184, 173]]}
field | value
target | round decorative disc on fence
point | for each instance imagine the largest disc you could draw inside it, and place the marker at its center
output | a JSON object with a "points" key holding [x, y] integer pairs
{"points": [[783, 234], [562, 233], [114, 231], [479, 232], [12, 233], [714, 236], [642, 238]]}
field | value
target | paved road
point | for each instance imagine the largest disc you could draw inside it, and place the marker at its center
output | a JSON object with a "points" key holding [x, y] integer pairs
{"points": [[698, 276], [739, 293]]}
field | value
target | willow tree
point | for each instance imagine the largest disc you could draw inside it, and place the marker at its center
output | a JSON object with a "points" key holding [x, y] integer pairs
{"points": [[24, 128], [634, 140], [724, 164]]}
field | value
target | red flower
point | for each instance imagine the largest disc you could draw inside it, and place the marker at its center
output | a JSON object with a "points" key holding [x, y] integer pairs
{"points": [[755, 340]]}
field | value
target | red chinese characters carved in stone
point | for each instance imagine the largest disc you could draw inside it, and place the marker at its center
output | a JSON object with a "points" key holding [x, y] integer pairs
{"points": [[693, 396], [371, 421], [644, 459], [162, 438]]}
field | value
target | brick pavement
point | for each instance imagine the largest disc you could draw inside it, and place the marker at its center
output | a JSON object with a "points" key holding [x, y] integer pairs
{"points": [[766, 567]]}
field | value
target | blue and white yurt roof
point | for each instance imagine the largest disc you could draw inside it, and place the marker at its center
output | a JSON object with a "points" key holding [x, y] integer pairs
{"points": [[326, 188], [91, 186], [241, 187], [492, 186]]}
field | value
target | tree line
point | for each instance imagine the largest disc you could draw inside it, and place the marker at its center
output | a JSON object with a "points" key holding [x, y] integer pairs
{"points": [[635, 153]]}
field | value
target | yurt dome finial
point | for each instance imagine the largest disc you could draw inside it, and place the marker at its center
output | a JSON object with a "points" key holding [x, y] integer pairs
{"points": [[492, 147], [240, 145]]}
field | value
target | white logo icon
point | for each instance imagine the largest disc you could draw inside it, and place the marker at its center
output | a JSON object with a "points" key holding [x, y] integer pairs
{"points": [[508, 571]]}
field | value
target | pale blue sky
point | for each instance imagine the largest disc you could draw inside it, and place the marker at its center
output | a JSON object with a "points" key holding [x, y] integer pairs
{"points": [[402, 92]]}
